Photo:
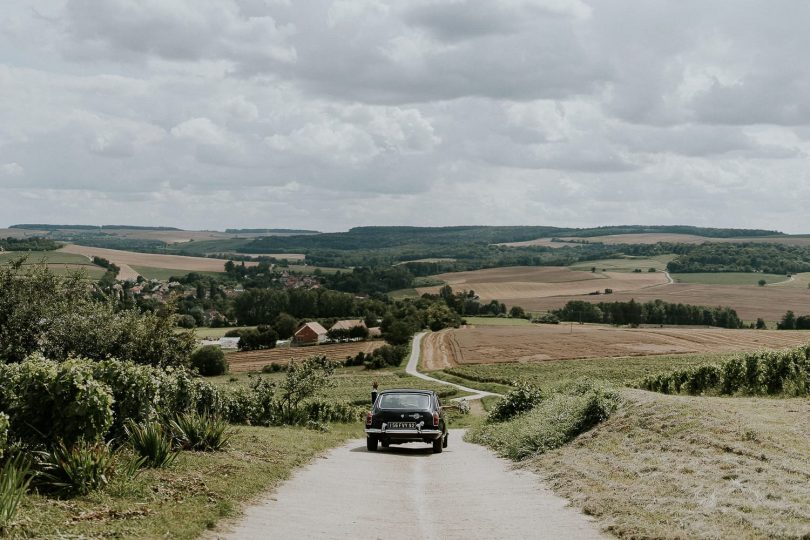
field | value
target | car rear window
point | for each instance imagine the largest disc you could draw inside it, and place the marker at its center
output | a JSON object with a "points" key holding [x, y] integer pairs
{"points": [[404, 401]]}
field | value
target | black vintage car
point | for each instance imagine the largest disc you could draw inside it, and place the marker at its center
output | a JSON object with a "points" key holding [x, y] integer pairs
{"points": [[406, 415]]}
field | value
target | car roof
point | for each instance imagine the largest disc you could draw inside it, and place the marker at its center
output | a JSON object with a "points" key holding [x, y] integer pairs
{"points": [[407, 391]]}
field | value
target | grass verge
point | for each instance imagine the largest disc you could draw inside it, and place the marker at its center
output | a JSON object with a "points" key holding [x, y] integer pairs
{"points": [[686, 467], [181, 501]]}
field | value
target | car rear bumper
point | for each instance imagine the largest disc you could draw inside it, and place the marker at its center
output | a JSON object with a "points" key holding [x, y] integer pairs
{"points": [[409, 434]]}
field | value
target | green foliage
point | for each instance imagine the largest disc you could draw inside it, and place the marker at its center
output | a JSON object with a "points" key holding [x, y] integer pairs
{"points": [[27, 244], [48, 401], [285, 324], [61, 317], [3, 434], [15, 476], [136, 390], [75, 469], [743, 257], [151, 443], [209, 360], [304, 380], [263, 337], [382, 357], [562, 416], [785, 372], [523, 397], [546, 318], [200, 431], [652, 312]]}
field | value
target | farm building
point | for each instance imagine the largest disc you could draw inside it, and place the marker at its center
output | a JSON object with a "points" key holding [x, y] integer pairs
{"points": [[348, 324], [311, 333], [374, 332]]}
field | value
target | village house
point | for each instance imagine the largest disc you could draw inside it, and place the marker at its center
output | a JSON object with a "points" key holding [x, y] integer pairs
{"points": [[311, 333]]}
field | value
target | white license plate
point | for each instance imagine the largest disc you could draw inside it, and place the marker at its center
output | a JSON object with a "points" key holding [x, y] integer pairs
{"points": [[401, 425]]}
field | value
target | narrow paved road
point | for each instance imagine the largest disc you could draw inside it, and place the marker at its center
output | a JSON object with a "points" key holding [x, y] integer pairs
{"points": [[413, 369], [409, 492]]}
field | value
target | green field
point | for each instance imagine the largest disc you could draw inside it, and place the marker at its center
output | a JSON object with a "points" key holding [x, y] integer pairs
{"points": [[728, 278], [215, 333], [401, 294], [552, 372], [57, 262], [496, 321], [306, 269], [164, 274], [626, 264]]}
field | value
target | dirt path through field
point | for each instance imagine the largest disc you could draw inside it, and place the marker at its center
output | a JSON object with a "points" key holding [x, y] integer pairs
{"points": [[465, 493]]}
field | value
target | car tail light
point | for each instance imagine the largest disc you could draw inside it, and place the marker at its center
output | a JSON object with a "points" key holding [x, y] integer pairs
{"points": [[435, 419], [369, 417]]}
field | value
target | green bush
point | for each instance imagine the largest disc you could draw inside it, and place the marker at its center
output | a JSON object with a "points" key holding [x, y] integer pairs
{"points": [[76, 469], [135, 390], [386, 356], [3, 434], [151, 443], [209, 360], [563, 415], [523, 397], [784, 372], [14, 479], [48, 401], [200, 431]]}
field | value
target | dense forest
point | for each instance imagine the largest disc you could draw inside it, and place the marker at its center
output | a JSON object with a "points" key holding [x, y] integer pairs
{"points": [[27, 244], [745, 257], [653, 312]]}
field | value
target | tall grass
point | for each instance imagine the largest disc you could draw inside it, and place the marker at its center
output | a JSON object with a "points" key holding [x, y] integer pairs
{"points": [[75, 469], [785, 372], [554, 421], [200, 431], [152, 443], [14, 479]]}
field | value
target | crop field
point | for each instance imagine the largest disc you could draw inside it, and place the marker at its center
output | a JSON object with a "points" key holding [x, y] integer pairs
{"points": [[256, 360], [537, 343], [729, 278], [691, 467], [542, 242], [626, 264], [496, 321], [171, 262], [519, 284], [57, 261], [165, 273], [751, 302]]}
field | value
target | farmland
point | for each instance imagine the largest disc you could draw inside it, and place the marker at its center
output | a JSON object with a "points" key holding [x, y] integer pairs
{"points": [[654, 238], [150, 260], [256, 360], [516, 284], [729, 278], [57, 261], [538, 343]]}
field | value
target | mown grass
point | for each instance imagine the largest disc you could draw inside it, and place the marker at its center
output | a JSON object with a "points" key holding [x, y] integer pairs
{"points": [[496, 321], [163, 274], [728, 278], [547, 374], [691, 467], [181, 501], [626, 264]]}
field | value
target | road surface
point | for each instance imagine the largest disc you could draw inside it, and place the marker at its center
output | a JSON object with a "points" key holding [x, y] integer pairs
{"points": [[413, 365], [465, 493]]}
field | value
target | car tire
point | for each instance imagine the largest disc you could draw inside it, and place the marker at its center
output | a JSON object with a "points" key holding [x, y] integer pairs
{"points": [[385, 444], [371, 443], [444, 440], [437, 446]]}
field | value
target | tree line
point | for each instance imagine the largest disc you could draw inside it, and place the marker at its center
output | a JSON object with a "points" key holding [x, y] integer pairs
{"points": [[652, 312]]}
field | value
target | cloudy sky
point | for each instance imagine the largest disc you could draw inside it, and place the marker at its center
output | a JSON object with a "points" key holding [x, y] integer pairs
{"points": [[331, 114]]}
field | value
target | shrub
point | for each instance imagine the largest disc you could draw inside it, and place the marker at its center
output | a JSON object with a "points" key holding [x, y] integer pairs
{"points": [[47, 401], [3, 433], [263, 337], [135, 390], [152, 443], [14, 479], [385, 356], [186, 321], [76, 469], [200, 431], [523, 397], [273, 368], [558, 419], [209, 360], [547, 318]]}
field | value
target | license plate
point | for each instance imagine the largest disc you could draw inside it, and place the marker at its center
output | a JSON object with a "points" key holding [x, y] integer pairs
{"points": [[401, 425]]}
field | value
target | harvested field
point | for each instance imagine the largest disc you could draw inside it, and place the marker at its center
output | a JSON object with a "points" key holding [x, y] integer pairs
{"points": [[171, 262], [514, 285], [675, 238], [537, 343], [256, 360], [543, 242], [769, 302]]}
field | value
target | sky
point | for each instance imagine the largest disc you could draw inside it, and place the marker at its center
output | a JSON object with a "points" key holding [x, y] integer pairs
{"points": [[325, 115]]}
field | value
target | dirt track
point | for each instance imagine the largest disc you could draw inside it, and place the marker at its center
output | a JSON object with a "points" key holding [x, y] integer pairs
{"points": [[492, 344], [403, 492]]}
